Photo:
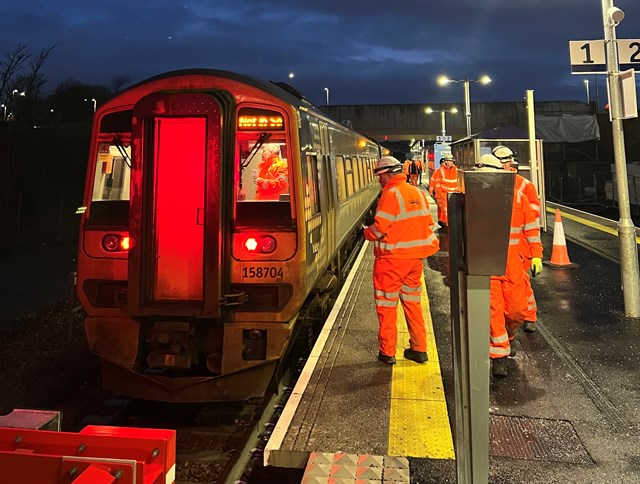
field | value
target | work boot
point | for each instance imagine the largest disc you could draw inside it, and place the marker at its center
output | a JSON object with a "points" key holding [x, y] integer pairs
{"points": [[417, 356], [513, 352], [499, 367], [529, 327], [389, 360]]}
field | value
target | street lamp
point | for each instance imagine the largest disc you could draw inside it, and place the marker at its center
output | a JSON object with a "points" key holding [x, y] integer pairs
{"points": [[327, 90], [93, 100], [18, 92], [4, 111], [444, 80], [453, 110], [291, 76], [586, 85]]}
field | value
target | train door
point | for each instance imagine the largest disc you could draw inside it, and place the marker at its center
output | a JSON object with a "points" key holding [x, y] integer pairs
{"points": [[175, 205], [328, 196]]}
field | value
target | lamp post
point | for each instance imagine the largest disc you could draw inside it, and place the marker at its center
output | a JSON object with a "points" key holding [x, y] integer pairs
{"points": [[444, 80], [586, 85], [611, 17], [93, 101], [291, 76], [4, 111], [442, 112], [327, 91]]}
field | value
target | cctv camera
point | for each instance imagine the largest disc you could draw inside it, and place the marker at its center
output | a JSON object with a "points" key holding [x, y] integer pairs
{"points": [[615, 16]]}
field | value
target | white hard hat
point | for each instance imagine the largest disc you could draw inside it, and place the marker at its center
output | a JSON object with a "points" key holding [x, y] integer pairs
{"points": [[489, 161], [387, 164], [271, 149], [503, 153], [447, 157]]}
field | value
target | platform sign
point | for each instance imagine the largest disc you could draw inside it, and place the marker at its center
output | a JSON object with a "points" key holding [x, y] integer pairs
{"points": [[629, 54], [587, 57], [439, 150], [444, 139]]}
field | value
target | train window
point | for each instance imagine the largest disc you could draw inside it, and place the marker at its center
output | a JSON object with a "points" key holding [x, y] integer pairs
{"points": [[356, 175], [312, 184], [340, 178], [348, 172], [363, 179], [111, 183], [262, 175]]}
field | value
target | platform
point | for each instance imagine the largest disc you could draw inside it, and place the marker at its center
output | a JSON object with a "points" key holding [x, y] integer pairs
{"points": [[567, 411]]}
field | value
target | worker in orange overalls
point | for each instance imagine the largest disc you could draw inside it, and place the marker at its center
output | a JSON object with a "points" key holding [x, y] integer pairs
{"points": [[414, 171], [443, 182], [507, 158], [402, 237], [508, 291], [272, 178]]}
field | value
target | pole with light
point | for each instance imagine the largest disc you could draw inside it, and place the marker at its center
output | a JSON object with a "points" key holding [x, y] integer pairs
{"points": [[93, 101], [442, 112], [586, 85], [611, 17], [327, 91], [4, 111], [444, 80], [291, 76]]}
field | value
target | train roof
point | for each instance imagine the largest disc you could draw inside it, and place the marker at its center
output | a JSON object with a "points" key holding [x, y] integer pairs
{"points": [[282, 90]]}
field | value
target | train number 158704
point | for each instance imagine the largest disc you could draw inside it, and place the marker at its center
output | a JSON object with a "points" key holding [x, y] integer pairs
{"points": [[262, 272]]}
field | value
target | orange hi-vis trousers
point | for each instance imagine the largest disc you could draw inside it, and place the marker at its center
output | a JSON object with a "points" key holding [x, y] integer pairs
{"points": [[531, 313], [393, 280], [508, 304]]}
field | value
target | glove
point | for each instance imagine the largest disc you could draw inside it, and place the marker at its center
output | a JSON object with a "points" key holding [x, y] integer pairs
{"points": [[536, 266]]}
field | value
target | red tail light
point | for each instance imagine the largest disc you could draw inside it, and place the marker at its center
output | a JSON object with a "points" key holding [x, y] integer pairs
{"points": [[117, 243], [264, 244]]}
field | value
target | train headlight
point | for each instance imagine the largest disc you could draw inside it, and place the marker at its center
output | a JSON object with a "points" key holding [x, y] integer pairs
{"points": [[265, 244], [251, 244]]}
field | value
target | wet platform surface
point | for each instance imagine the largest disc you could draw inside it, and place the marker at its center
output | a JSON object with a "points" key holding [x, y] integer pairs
{"points": [[567, 411]]}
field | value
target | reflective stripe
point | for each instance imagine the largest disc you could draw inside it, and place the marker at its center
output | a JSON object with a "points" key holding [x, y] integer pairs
{"points": [[534, 238], [406, 297], [516, 230], [532, 226], [387, 304], [514, 241], [500, 351], [411, 289], [405, 245], [375, 232], [500, 339], [389, 216], [387, 295]]}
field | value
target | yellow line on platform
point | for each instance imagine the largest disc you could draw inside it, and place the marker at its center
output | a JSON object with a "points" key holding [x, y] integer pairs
{"points": [[589, 223], [418, 422]]}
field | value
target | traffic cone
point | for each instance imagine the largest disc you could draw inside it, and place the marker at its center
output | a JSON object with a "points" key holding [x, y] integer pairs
{"points": [[559, 254]]}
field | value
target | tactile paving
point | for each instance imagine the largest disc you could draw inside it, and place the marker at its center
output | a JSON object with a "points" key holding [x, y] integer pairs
{"points": [[341, 468]]}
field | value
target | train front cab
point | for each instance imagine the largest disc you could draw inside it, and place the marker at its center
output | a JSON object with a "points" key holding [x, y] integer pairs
{"points": [[199, 306]]}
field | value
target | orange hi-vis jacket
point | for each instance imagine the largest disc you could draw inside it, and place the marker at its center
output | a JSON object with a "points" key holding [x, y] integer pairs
{"points": [[273, 179], [443, 182], [402, 224], [528, 189]]}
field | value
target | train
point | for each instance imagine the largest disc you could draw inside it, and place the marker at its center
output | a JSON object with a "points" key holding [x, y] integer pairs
{"points": [[192, 283]]}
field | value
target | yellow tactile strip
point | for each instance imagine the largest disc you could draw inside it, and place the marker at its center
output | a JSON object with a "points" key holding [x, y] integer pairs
{"points": [[340, 468], [418, 421]]}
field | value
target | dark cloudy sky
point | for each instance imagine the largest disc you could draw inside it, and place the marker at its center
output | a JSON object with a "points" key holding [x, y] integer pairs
{"points": [[364, 51]]}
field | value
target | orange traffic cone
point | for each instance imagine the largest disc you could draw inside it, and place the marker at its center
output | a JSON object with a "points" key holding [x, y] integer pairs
{"points": [[559, 254]]}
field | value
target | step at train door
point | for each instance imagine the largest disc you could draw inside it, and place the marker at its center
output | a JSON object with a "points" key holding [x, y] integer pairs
{"points": [[175, 206]]}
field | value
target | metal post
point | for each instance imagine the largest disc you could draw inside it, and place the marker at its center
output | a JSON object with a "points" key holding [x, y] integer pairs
{"points": [[327, 90], [626, 229], [537, 176], [442, 121], [467, 106]]}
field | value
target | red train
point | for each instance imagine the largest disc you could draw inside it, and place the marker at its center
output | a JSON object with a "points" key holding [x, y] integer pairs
{"points": [[195, 268]]}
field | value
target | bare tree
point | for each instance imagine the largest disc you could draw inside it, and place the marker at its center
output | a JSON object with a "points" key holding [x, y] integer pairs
{"points": [[10, 69], [35, 79]]}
